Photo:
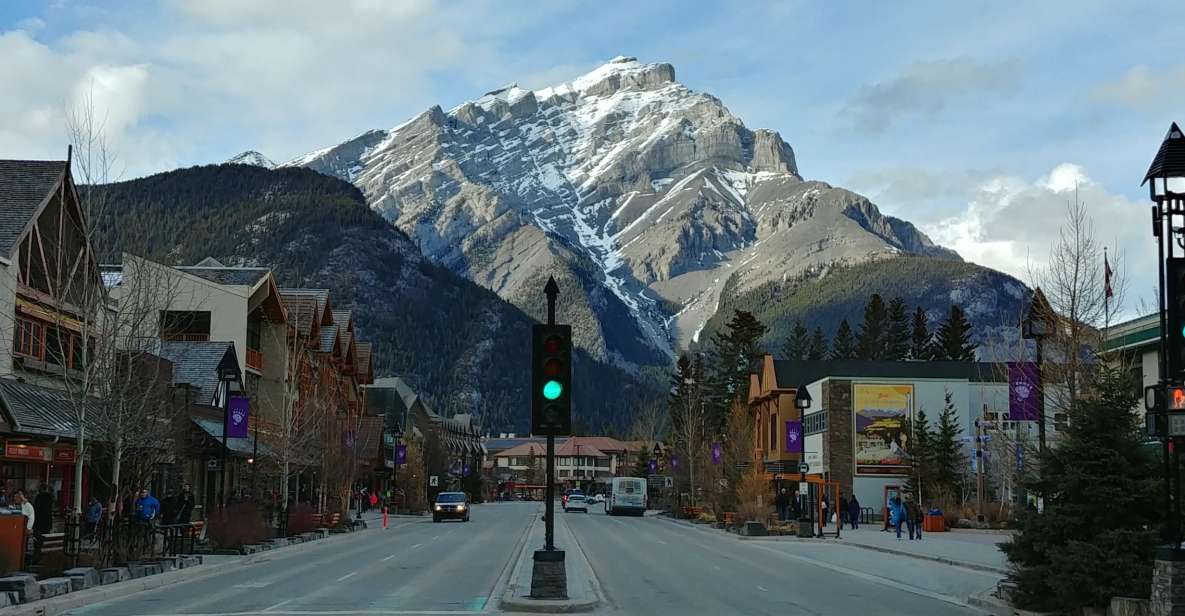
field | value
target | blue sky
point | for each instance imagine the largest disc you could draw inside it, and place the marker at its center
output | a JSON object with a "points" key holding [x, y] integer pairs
{"points": [[973, 120]]}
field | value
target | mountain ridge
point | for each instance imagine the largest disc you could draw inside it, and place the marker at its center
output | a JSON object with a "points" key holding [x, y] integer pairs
{"points": [[647, 196]]}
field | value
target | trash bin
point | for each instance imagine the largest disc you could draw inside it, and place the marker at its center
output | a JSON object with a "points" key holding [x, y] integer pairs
{"points": [[934, 522]]}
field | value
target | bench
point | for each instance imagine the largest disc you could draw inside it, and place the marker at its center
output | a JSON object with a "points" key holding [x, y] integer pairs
{"points": [[321, 520], [692, 512]]}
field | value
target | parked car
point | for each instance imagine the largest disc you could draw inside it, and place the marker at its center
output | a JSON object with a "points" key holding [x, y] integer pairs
{"points": [[596, 499], [576, 502], [451, 506]]}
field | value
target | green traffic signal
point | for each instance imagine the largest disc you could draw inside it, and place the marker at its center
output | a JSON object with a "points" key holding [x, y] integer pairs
{"points": [[552, 390]]}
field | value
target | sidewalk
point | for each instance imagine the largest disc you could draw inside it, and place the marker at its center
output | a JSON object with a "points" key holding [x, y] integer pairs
{"points": [[972, 550]]}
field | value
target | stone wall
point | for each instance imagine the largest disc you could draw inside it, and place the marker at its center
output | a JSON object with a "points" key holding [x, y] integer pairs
{"points": [[837, 399]]}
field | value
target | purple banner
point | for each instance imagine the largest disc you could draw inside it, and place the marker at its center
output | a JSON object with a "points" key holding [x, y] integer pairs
{"points": [[717, 453], [1024, 392], [794, 437], [237, 414], [400, 454], [654, 467]]}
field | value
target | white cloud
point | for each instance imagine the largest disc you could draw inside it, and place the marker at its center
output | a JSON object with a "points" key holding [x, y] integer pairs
{"points": [[925, 88], [1010, 223], [1145, 89]]}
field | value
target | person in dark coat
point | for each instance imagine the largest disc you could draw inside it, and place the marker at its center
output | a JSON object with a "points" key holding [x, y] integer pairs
{"points": [[184, 505], [42, 519], [854, 512], [169, 507], [782, 501]]}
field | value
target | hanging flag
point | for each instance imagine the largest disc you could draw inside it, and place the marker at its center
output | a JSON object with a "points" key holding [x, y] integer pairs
{"points": [[1107, 276], [717, 453], [653, 466], [400, 454], [793, 437], [236, 417], [1024, 392]]}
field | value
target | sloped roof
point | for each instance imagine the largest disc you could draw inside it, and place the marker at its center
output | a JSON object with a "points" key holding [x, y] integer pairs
{"points": [[347, 337], [328, 335], [574, 447], [241, 276], [343, 318], [38, 410], [196, 364], [24, 184], [321, 295], [243, 447], [302, 309], [603, 443], [365, 350], [525, 450], [791, 373]]}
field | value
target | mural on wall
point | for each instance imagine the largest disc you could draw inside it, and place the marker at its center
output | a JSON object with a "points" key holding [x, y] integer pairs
{"points": [[883, 414]]}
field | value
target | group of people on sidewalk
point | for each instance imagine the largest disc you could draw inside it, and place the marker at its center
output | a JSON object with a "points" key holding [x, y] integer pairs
{"points": [[907, 512], [848, 511]]}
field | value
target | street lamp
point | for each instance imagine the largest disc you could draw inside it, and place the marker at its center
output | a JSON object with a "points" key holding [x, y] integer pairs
{"points": [[1036, 327], [1166, 188], [802, 402], [228, 372]]}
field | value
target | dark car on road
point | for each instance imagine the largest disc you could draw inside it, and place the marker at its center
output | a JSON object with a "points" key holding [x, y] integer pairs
{"points": [[451, 506]]}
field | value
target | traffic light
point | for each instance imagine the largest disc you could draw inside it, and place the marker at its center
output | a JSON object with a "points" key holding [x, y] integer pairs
{"points": [[551, 379], [1175, 317], [1176, 398]]}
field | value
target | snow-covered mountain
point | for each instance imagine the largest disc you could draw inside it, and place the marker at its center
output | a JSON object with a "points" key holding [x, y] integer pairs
{"points": [[251, 157], [642, 196]]}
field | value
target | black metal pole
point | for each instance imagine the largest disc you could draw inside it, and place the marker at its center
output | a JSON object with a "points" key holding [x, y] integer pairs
{"points": [[1040, 398], [549, 492], [225, 419]]}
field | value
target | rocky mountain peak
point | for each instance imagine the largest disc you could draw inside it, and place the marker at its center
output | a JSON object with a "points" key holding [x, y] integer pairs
{"points": [[251, 157], [644, 198]]}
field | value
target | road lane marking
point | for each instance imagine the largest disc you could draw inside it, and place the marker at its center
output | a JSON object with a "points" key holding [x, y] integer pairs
{"points": [[284, 602], [347, 576], [762, 589], [388, 558], [417, 546]]}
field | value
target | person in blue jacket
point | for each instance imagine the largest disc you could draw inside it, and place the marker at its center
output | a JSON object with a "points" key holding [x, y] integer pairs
{"points": [[897, 514]]}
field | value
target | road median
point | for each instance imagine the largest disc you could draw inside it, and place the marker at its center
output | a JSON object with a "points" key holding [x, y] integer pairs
{"points": [[584, 590]]}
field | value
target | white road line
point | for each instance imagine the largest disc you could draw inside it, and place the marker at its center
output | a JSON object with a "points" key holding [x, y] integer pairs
{"points": [[284, 602], [388, 558], [716, 567], [417, 546], [762, 589], [659, 540], [347, 576]]}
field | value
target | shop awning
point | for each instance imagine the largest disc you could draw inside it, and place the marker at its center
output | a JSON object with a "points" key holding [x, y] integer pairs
{"points": [[242, 447]]}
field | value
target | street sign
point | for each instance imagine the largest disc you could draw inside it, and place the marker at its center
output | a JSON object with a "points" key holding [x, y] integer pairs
{"points": [[804, 489], [668, 482], [803, 467], [434, 481]]}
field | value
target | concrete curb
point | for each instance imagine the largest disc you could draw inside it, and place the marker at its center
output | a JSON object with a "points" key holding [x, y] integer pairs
{"points": [[510, 603], [840, 541], [987, 601], [82, 598]]}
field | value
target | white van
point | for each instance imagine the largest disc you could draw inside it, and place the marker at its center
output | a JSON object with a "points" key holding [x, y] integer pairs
{"points": [[626, 495]]}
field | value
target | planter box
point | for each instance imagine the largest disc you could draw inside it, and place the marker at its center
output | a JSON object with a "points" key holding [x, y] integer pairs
{"points": [[754, 529]]}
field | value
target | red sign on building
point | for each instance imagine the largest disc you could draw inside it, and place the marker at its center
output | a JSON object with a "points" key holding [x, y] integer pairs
{"points": [[26, 452], [64, 456]]}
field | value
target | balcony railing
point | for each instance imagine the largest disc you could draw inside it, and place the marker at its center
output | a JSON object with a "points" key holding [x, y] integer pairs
{"points": [[173, 337], [255, 359]]}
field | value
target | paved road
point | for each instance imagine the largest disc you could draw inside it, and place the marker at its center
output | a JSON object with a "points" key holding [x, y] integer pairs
{"points": [[414, 567], [652, 566], [644, 565]]}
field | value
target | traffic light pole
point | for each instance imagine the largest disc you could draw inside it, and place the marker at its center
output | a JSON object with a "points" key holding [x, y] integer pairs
{"points": [[550, 414], [552, 290]]}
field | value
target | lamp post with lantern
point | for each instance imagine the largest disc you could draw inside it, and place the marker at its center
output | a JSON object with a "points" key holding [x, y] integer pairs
{"points": [[1036, 326], [1166, 188], [802, 402]]}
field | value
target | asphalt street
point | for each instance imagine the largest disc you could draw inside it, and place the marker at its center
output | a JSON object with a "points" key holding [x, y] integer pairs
{"points": [[414, 567], [652, 566], [644, 565]]}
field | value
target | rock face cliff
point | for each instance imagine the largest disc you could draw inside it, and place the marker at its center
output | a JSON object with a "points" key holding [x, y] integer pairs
{"points": [[642, 196]]}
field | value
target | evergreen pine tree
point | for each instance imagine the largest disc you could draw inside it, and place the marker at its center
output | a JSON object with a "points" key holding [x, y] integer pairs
{"points": [[953, 340], [921, 457], [843, 346], [732, 351], [797, 344], [642, 465], [897, 335], [1096, 537], [818, 348], [874, 329], [947, 457], [919, 345]]}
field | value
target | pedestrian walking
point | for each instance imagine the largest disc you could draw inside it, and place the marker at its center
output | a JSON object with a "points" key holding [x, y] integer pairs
{"points": [[854, 512], [782, 501], [897, 515], [374, 500], [826, 507], [841, 510], [914, 512], [43, 514], [184, 505], [22, 505], [94, 513]]}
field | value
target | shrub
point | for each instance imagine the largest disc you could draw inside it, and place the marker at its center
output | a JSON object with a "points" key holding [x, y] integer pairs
{"points": [[300, 519], [238, 525]]}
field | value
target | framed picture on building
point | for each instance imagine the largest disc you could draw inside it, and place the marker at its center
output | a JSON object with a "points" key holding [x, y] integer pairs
{"points": [[881, 426]]}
